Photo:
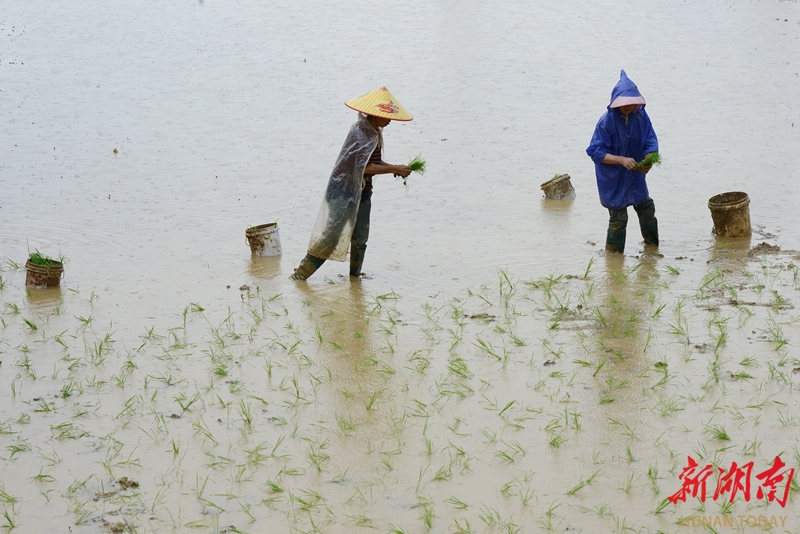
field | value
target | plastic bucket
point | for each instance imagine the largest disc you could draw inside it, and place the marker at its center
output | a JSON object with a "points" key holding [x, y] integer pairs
{"points": [[43, 275], [264, 240], [558, 188], [731, 214]]}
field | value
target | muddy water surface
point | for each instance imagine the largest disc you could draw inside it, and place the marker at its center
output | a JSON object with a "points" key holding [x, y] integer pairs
{"points": [[496, 372]]}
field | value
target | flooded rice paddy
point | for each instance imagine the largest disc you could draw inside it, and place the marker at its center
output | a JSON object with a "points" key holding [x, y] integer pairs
{"points": [[496, 372]]}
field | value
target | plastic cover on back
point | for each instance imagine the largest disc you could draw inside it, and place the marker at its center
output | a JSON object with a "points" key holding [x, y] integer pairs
{"points": [[330, 238]]}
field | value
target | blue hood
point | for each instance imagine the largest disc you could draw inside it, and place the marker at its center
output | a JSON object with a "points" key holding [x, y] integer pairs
{"points": [[624, 87]]}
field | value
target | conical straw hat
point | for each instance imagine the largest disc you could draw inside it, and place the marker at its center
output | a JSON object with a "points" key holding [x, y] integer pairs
{"points": [[380, 103]]}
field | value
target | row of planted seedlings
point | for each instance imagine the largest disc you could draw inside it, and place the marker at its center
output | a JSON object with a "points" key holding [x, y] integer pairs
{"points": [[495, 408]]}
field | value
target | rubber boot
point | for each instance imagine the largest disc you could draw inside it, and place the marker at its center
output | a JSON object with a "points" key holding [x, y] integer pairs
{"points": [[357, 253], [617, 229], [647, 221], [308, 266], [358, 241]]}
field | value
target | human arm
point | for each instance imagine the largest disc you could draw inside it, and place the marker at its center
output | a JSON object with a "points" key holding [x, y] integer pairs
{"points": [[602, 143], [628, 163], [385, 168]]}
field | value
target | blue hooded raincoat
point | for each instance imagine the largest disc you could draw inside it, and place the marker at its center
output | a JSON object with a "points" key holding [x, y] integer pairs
{"points": [[631, 137]]}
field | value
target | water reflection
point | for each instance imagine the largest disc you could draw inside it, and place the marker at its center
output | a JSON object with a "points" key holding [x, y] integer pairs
{"points": [[264, 267], [343, 322], [44, 296], [730, 247], [557, 206], [354, 342], [629, 287], [629, 292]]}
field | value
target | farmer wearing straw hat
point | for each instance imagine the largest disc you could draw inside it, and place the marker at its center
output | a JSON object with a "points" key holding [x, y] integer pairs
{"points": [[343, 220], [623, 136]]}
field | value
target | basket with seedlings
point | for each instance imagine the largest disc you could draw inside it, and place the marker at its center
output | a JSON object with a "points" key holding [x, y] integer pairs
{"points": [[43, 271], [653, 158]]}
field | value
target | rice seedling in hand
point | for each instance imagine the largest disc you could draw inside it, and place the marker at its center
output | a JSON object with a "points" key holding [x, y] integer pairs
{"points": [[650, 160], [417, 165]]}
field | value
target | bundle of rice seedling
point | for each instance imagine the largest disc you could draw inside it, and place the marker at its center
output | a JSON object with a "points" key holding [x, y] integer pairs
{"points": [[652, 159], [37, 258], [417, 165]]}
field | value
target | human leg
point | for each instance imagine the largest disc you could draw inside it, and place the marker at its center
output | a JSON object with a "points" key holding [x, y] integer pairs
{"points": [[617, 224], [308, 266], [647, 221], [358, 241]]}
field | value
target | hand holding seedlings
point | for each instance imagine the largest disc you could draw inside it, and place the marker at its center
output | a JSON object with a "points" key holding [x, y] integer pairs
{"points": [[644, 166], [416, 165], [628, 163], [401, 171]]}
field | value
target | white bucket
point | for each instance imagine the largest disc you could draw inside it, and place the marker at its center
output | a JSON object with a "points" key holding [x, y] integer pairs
{"points": [[264, 240]]}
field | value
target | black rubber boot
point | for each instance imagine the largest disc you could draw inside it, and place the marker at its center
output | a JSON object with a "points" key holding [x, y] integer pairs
{"points": [[308, 266], [357, 259], [647, 221], [617, 228]]}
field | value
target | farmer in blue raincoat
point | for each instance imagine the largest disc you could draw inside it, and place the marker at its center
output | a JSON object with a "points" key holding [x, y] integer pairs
{"points": [[624, 136]]}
